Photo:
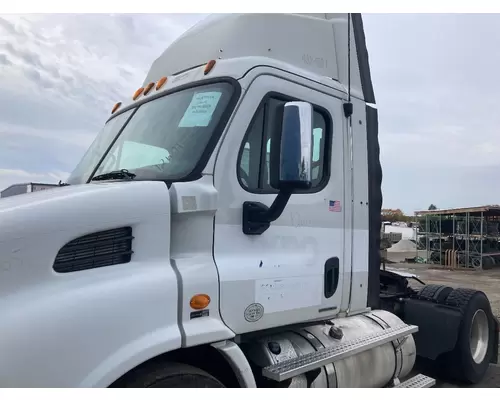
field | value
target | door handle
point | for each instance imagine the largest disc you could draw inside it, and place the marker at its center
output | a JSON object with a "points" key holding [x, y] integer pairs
{"points": [[331, 277]]}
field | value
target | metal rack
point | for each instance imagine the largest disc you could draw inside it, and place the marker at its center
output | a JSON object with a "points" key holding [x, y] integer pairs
{"points": [[461, 237]]}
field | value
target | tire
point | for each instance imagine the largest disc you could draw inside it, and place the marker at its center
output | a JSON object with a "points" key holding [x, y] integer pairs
{"points": [[469, 360], [488, 263], [436, 293], [171, 375]]}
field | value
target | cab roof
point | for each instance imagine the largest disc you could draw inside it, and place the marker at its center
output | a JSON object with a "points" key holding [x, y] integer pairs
{"points": [[316, 43]]}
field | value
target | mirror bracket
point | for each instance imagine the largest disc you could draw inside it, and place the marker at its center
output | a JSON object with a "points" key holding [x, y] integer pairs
{"points": [[348, 109], [257, 217]]}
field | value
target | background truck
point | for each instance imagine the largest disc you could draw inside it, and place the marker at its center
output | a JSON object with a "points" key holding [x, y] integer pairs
{"points": [[21, 188], [223, 230]]}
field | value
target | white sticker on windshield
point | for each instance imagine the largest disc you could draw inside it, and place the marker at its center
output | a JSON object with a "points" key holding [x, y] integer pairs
{"points": [[200, 110]]}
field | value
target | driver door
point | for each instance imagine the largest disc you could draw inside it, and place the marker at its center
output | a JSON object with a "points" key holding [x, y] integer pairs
{"points": [[294, 271]]}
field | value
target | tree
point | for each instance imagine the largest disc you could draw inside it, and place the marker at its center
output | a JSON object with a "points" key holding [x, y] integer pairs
{"points": [[392, 215], [432, 207]]}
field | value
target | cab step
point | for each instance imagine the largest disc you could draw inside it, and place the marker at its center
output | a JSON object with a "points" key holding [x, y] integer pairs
{"points": [[296, 366], [418, 381]]}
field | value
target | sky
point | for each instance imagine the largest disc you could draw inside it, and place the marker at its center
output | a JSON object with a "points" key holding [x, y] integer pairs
{"points": [[435, 78]]}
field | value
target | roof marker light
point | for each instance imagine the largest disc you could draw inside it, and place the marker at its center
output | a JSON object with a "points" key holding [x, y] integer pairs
{"points": [[116, 107], [148, 88], [161, 82], [137, 93], [209, 66]]}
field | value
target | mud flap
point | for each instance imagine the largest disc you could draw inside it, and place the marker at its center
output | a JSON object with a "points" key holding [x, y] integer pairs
{"points": [[438, 327]]}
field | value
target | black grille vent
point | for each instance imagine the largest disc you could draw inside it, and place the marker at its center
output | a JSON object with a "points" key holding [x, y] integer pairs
{"points": [[100, 249]]}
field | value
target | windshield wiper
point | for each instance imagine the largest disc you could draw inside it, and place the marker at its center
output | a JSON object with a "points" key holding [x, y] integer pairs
{"points": [[121, 174]]}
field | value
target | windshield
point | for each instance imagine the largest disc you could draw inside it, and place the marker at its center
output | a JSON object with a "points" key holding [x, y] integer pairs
{"points": [[97, 149], [163, 139]]}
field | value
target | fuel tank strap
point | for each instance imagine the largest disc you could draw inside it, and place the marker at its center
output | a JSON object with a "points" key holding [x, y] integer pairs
{"points": [[331, 373], [398, 343]]}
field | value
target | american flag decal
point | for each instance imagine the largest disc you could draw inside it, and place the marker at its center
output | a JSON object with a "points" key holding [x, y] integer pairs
{"points": [[334, 206]]}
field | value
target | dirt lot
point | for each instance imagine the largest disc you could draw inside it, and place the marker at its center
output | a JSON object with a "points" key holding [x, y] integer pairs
{"points": [[486, 281]]}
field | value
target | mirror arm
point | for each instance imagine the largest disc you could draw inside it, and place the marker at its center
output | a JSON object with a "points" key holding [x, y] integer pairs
{"points": [[257, 217], [278, 206]]}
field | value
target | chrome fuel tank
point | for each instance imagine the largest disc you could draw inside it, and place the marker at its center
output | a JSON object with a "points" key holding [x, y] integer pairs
{"points": [[376, 367]]}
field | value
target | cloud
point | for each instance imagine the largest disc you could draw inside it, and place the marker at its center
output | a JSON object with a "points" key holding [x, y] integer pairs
{"points": [[4, 60], [435, 83], [60, 75], [435, 79], [8, 27]]}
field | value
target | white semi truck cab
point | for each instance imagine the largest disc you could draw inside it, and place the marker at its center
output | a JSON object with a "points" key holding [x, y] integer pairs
{"points": [[223, 231]]}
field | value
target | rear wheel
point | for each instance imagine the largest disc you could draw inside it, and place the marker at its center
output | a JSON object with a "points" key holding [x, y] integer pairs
{"points": [[171, 375], [479, 336], [469, 360]]}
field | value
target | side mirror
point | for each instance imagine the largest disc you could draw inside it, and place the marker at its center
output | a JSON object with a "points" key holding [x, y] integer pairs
{"points": [[290, 166], [296, 147]]}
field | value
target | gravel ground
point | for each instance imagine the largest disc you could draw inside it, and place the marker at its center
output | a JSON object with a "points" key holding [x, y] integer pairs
{"points": [[486, 281]]}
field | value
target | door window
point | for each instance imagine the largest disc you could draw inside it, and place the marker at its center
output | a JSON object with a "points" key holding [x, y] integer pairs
{"points": [[254, 159]]}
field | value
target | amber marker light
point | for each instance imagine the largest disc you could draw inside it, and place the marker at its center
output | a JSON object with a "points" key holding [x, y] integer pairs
{"points": [[137, 93], [199, 301], [209, 66], [116, 107], [161, 82], [148, 88]]}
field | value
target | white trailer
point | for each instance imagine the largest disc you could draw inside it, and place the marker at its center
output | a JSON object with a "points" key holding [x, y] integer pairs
{"points": [[223, 230], [21, 188]]}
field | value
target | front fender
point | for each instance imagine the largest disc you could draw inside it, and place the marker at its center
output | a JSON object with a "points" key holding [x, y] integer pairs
{"points": [[88, 336]]}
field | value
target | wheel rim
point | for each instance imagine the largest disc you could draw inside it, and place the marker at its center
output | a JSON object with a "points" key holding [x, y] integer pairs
{"points": [[479, 336]]}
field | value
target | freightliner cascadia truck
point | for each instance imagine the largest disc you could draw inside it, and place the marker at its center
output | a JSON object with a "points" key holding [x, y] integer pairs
{"points": [[223, 230]]}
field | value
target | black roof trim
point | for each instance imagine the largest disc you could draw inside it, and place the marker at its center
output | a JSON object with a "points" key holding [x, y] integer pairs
{"points": [[363, 61]]}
